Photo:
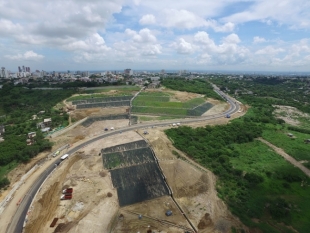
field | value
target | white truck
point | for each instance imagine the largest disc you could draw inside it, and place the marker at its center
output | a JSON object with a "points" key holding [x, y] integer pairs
{"points": [[64, 157]]}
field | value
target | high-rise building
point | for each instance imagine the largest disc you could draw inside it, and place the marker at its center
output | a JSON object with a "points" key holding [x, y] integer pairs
{"points": [[23, 68], [19, 69], [128, 72], [4, 73]]}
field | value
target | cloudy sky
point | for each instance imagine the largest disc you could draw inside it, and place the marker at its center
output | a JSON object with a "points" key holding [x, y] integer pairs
{"points": [[267, 35]]}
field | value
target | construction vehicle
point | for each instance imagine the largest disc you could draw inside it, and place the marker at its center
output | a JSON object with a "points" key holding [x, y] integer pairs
{"points": [[66, 197], [67, 190], [227, 116]]}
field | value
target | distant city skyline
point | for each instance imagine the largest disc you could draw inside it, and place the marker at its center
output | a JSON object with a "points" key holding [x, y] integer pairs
{"points": [[235, 35]]}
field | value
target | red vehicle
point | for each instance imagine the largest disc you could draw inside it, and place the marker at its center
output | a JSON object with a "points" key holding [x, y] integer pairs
{"points": [[66, 197], [68, 190]]}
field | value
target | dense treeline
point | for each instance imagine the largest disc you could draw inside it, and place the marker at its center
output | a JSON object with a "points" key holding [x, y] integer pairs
{"points": [[268, 91], [297, 129], [18, 105], [256, 193], [212, 146], [200, 86]]}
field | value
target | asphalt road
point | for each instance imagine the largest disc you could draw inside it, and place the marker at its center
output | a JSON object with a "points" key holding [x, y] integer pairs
{"points": [[17, 222]]}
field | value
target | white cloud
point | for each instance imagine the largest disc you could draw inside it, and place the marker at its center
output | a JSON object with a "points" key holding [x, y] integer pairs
{"points": [[270, 50], [228, 52], [184, 19], [95, 44], [27, 56], [141, 43], [294, 13], [143, 36], [257, 39], [7, 26], [232, 39], [183, 47], [147, 19]]}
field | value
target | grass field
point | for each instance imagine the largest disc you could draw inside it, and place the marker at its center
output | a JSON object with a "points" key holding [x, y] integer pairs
{"points": [[150, 103], [255, 157], [294, 146]]}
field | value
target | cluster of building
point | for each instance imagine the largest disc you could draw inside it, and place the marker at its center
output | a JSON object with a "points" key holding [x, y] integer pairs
{"points": [[128, 76]]}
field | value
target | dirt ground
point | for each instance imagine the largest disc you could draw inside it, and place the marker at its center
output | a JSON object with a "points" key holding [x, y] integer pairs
{"points": [[82, 113], [80, 132], [193, 187], [94, 203], [289, 114], [152, 212], [86, 175]]}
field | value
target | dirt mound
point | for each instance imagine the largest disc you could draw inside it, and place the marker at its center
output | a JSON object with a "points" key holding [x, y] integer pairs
{"points": [[102, 174], [109, 195], [49, 201], [205, 222], [64, 227], [78, 138]]}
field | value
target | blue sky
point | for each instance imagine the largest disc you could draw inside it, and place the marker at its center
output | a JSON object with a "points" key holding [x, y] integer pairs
{"points": [[249, 35]]}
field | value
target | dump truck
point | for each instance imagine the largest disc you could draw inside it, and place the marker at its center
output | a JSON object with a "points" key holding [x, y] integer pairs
{"points": [[66, 197], [67, 190], [54, 222]]}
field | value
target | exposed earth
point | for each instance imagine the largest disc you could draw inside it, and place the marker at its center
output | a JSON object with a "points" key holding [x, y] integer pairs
{"points": [[94, 206], [291, 115]]}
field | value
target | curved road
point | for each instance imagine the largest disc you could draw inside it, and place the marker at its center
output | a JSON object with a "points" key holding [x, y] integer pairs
{"points": [[17, 223]]}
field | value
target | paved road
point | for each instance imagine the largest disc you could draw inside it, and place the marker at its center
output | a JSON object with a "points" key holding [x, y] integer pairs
{"points": [[17, 222]]}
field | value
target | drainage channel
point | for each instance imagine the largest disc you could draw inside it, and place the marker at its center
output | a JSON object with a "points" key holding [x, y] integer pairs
{"points": [[170, 191]]}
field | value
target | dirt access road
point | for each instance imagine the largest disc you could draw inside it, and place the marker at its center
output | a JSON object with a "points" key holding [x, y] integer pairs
{"points": [[22, 192], [287, 157]]}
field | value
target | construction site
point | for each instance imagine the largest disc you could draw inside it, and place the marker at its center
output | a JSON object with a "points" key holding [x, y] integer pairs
{"points": [[133, 181]]}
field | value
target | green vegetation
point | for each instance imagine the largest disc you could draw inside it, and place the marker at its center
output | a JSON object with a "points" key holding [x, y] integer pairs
{"points": [[200, 86], [19, 105], [99, 93], [297, 129], [294, 146], [268, 91], [253, 180], [158, 103]]}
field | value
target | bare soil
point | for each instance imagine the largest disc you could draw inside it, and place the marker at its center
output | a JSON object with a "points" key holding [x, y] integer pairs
{"points": [[289, 114], [80, 132], [193, 187], [82, 113], [95, 198], [94, 203], [152, 213]]}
